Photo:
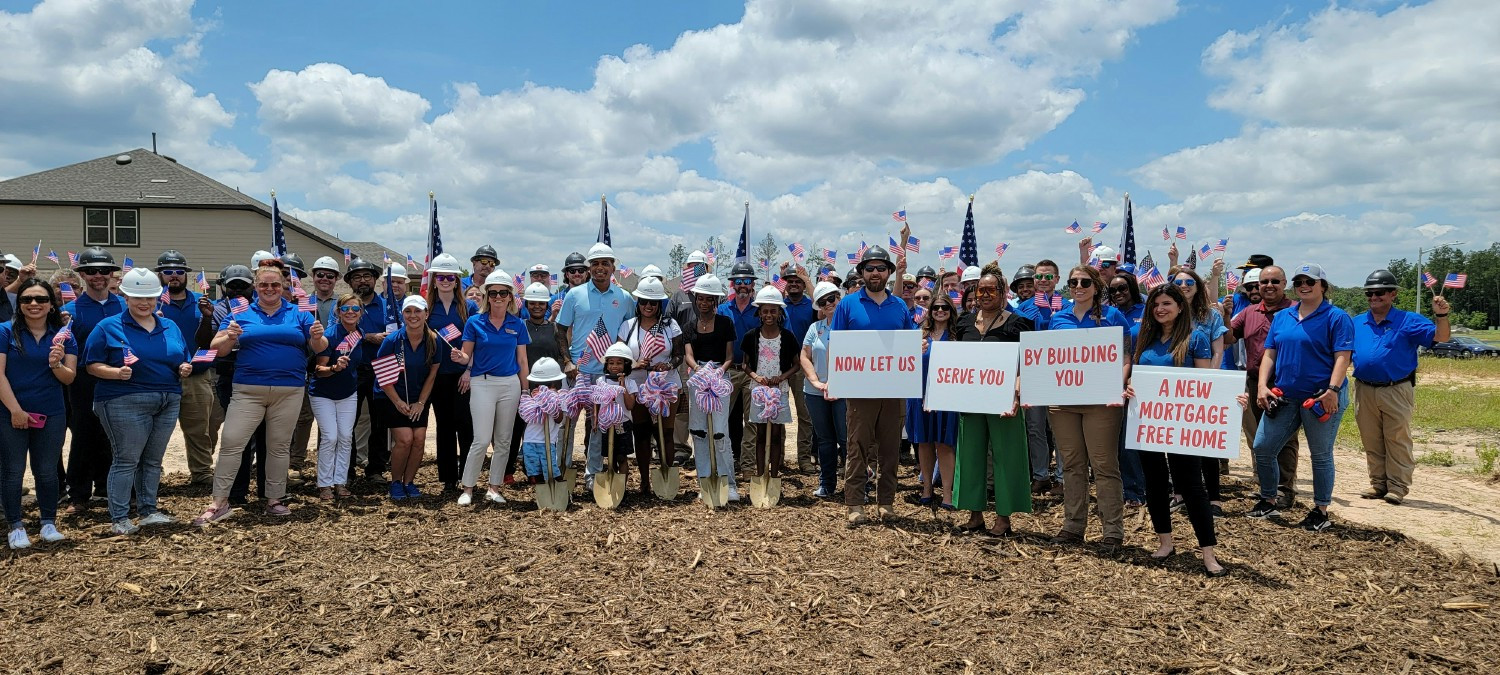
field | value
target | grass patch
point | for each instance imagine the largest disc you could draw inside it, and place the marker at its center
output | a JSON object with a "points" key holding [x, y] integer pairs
{"points": [[1487, 453], [1444, 407], [1437, 458]]}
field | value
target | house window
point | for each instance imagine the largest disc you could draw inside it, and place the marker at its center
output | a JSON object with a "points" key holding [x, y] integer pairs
{"points": [[112, 227]]}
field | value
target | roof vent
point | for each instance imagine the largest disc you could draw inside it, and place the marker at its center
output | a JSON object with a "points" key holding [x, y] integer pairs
{"points": [[122, 160]]}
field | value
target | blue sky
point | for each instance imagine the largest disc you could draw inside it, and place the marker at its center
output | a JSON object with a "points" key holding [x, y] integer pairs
{"points": [[1343, 134]]}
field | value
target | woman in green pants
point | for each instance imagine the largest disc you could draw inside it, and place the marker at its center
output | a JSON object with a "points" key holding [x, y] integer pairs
{"points": [[997, 440]]}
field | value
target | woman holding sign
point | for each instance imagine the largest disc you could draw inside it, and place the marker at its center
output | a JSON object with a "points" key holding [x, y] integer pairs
{"points": [[999, 440], [334, 396], [1169, 338], [1208, 319], [1089, 435], [934, 432], [828, 414]]}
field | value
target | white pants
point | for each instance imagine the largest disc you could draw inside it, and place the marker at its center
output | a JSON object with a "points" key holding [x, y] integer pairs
{"points": [[335, 437], [698, 430], [493, 401]]}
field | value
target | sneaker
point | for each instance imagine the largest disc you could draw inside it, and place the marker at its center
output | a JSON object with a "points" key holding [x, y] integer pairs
{"points": [[398, 491], [1176, 503], [822, 493], [1264, 509], [50, 533], [1316, 521], [278, 509], [412, 492], [492, 496], [213, 515], [588, 483], [124, 527], [18, 539], [734, 494], [465, 499], [157, 518]]}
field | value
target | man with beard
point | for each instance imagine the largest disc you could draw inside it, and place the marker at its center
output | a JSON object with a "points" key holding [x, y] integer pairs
{"points": [[597, 305], [89, 454], [484, 261], [200, 415], [1252, 325], [740, 308]]}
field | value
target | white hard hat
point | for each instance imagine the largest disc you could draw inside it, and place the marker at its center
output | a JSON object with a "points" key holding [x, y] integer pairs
{"points": [[697, 258], [537, 292], [539, 268], [650, 288], [1252, 276], [259, 256], [500, 278], [327, 263], [709, 284], [824, 288], [1105, 254], [443, 263], [620, 350], [395, 270], [414, 301], [12, 261], [140, 283], [652, 271], [600, 251], [545, 370], [769, 296], [971, 273]]}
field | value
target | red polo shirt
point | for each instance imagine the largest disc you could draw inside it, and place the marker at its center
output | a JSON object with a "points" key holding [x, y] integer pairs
{"points": [[1251, 325]]}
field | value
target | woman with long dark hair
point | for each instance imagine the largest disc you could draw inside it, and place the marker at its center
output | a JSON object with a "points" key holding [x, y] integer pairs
{"points": [[933, 432], [658, 344], [37, 359], [447, 306]]}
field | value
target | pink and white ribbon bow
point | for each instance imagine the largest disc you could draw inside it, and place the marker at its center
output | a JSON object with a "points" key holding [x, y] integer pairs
{"points": [[607, 397], [658, 394], [579, 399], [769, 399], [711, 388], [533, 406]]}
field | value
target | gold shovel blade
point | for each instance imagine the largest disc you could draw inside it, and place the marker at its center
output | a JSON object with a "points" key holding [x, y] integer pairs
{"points": [[664, 482], [609, 489], [547, 496], [765, 491]]}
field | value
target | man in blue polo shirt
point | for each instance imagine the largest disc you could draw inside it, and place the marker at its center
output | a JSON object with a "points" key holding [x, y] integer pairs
{"points": [[874, 423], [89, 454], [800, 315], [1385, 381], [596, 306], [200, 415], [1038, 301]]}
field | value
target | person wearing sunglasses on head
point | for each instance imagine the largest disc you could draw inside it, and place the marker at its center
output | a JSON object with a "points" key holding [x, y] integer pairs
{"points": [[1206, 318], [1250, 327], [89, 452], [1310, 346], [450, 394], [1386, 340], [200, 415]]}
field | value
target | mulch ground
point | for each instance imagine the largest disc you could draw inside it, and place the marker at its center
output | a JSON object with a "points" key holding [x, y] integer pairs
{"points": [[364, 585]]}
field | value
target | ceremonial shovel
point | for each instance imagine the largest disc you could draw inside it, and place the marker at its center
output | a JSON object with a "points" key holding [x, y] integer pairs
{"points": [[664, 476], [609, 488], [715, 488], [765, 489], [552, 493]]}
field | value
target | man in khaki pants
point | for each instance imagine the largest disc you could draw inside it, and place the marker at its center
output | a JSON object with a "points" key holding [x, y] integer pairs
{"points": [[200, 415], [1385, 373]]}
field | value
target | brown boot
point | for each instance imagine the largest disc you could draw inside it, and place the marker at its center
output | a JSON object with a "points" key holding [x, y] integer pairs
{"points": [[1372, 493]]}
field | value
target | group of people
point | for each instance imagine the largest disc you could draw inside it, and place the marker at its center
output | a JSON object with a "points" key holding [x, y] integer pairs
{"points": [[135, 355]]}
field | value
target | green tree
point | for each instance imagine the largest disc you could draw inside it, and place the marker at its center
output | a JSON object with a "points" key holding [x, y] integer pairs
{"points": [[765, 255], [678, 255], [722, 259]]}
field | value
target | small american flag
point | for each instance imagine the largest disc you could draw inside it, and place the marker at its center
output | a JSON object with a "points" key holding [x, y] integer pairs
{"points": [[129, 265], [1428, 280], [927, 284], [779, 283], [765, 264], [830, 255], [1099, 227], [899, 216], [1000, 250], [626, 272], [947, 253], [955, 296], [63, 334], [205, 355], [897, 248], [72, 259], [797, 251], [347, 256], [1041, 300], [595, 344], [349, 342], [450, 333], [918, 314], [130, 357], [410, 264], [52, 255], [689, 279], [654, 343], [237, 305], [1223, 244], [1075, 228], [862, 248], [306, 304], [66, 290], [36, 252], [1095, 263], [709, 255], [520, 281], [387, 369], [1166, 234], [1149, 274], [1232, 281], [1181, 232], [1205, 251], [1455, 280], [913, 245], [853, 258], [166, 297], [202, 282]]}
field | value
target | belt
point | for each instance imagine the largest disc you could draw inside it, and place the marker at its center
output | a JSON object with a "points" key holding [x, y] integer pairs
{"points": [[1412, 378]]}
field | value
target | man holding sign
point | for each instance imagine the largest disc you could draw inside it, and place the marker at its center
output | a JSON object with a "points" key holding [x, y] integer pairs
{"points": [[874, 423]]}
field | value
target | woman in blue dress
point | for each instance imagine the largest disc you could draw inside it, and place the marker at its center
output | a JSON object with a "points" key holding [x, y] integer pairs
{"points": [[933, 432]]}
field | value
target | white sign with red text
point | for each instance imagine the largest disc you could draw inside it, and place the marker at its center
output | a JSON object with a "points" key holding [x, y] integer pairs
{"points": [[875, 364], [973, 377], [1185, 411], [1073, 367]]}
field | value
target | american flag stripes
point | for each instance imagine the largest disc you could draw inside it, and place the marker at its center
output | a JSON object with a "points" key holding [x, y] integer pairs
{"points": [[1205, 251], [830, 255], [595, 344], [918, 314], [72, 259], [913, 245], [1181, 232], [1455, 280], [654, 344], [1042, 300], [1232, 281], [129, 265], [36, 252], [797, 251], [237, 305], [306, 304], [52, 255], [899, 216], [349, 342], [689, 278], [165, 298], [947, 253], [130, 357], [205, 355], [388, 369], [1148, 274], [1099, 227], [779, 283], [1221, 246], [347, 256], [65, 289], [1075, 228], [1166, 234], [450, 333], [1000, 250], [63, 333], [202, 281], [1428, 280]]}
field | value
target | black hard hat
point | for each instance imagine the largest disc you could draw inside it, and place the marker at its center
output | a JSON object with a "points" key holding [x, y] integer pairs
{"points": [[1258, 260], [928, 272], [575, 260], [485, 251], [360, 265], [235, 272], [872, 254], [1024, 273], [1381, 279], [95, 256], [172, 259], [742, 270], [851, 277], [294, 261]]}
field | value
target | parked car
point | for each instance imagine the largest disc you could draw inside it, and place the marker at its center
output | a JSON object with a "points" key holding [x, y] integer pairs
{"points": [[1464, 347]]}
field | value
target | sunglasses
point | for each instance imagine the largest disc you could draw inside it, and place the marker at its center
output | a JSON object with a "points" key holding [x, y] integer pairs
{"points": [[1184, 282], [1272, 282], [1304, 281], [95, 272], [33, 300], [350, 308], [986, 292], [445, 277], [325, 275], [1080, 283], [576, 270], [877, 268], [1376, 293], [1116, 290], [1046, 277], [172, 273], [935, 310], [829, 301], [743, 282], [498, 294], [362, 276], [268, 285], [1251, 287]]}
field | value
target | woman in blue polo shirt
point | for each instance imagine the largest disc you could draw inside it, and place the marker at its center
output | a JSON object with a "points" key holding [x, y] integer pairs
{"points": [[270, 379], [1089, 435], [1311, 344], [1208, 319], [34, 367], [334, 396], [402, 403], [1168, 337], [139, 360], [495, 349], [447, 306]]}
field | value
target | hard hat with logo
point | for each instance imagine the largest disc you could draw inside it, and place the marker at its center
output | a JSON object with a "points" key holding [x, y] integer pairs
{"points": [[499, 278], [769, 296], [650, 288], [545, 370], [140, 283], [710, 285], [601, 251], [326, 263], [444, 263], [537, 292]]}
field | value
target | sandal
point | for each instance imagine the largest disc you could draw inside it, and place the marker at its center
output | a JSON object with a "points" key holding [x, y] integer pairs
{"points": [[342, 492], [325, 494]]}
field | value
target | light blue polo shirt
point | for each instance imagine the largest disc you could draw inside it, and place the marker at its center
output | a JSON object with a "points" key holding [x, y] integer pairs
{"points": [[583, 308]]}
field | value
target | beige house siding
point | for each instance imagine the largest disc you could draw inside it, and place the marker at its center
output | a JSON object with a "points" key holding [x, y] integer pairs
{"points": [[210, 238]]}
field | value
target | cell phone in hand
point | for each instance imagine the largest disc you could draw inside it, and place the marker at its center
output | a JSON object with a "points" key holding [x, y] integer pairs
{"points": [[38, 420]]}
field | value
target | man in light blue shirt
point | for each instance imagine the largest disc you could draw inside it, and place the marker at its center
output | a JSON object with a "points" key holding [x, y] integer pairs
{"points": [[597, 306]]}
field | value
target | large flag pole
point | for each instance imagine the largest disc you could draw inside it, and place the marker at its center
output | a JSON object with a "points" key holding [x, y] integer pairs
{"points": [[1127, 241], [278, 237], [604, 237], [968, 247], [742, 254]]}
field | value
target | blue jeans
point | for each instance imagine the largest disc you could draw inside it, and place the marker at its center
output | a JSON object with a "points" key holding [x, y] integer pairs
{"points": [[1274, 432], [45, 448], [829, 437], [139, 426]]}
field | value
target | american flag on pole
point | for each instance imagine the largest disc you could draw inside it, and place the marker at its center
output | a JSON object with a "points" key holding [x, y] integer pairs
{"points": [[129, 265], [947, 253], [36, 252], [899, 216], [387, 369], [130, 357], [689, 278], [797, 251], [63, 333], [968, 244], [1205, 251], [913, 245], [1075, 228], [237, 305], [1181, 232], [347, 256], [1099, 227], [853, 258], [1428, 280], [709, 255], [65, 289], [1148, 274], [1054, 302], [595, 344], [305, 303], [1455, 280], [918, 314], [1232, 281], [450, 333], [205, 355], [654, 344], [830, 255], [165, 298], [278, 236], [349, 342], [897, 248], [1000, 250], [626, 272], [1166, 234], [52, 255], [72, 259], [1221, 246], [779, 283], [202, 281]]}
